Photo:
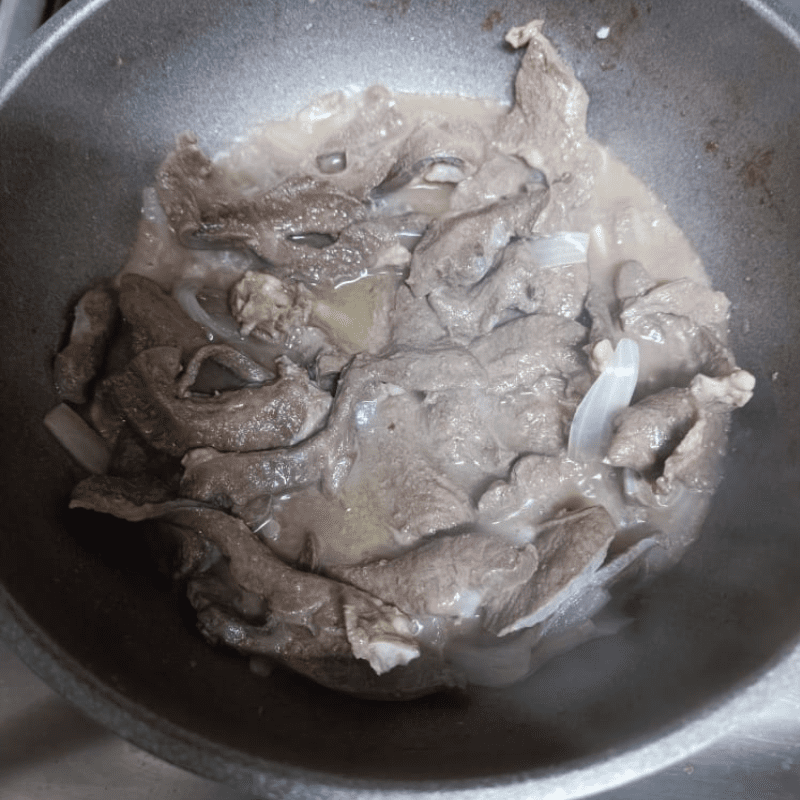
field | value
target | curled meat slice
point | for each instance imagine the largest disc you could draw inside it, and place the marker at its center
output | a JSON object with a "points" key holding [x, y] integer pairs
{"points": [[305, 621], [438, 151], [648, 431], [304, 227], [77, 364], [152, 397], [459, 248], [684, 326], [203, 207], [521, 284], [155, 317], [677, 436]]}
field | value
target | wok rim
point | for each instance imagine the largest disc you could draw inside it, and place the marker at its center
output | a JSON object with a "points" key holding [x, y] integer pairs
{"points": [[574, 778]]}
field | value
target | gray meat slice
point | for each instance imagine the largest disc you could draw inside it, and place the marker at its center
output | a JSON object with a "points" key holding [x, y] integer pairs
{"points": [[459, 248], [236, 362], [441, 150], [689, 324], [202, 205], [547, 126], [311, 622], [77, 365], [522, 351], [207, 211], [235, 479], [458, 576], [414, 323], [148, 394], [519, 285], [135, 499], [694, 462], [156, 318], [646, 433], [571, 549], [538, 484]]}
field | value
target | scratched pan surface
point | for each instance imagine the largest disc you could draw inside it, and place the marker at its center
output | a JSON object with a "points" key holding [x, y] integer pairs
{"points": [[702, 100]]}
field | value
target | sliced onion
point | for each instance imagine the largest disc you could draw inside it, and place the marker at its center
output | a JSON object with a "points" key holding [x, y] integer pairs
{"points": [[80, 440], [560, 249], [590, 434], [223, 330]]}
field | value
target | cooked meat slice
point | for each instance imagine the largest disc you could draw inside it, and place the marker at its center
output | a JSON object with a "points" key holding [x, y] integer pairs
{"points": [[520, 352], [646, 433], [414, 322], [235, 479], [308, 619], [460, 424], [155, 317], [688, 325], [497, 178], [535, 418], [538, 484], [133, 499], [438, 150], [457, 576], [519, 285], [547, 126], [571, 549], [77, 365], [305, 228], [242, 368], [459, 248], [153, 399], [694, 462], [203, 206]]}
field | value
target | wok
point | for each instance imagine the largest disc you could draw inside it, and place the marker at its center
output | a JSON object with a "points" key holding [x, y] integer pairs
{"points": [[701, 100]]}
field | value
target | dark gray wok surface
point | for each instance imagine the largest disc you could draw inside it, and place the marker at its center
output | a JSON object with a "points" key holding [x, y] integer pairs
{"points": [[710, 120]]}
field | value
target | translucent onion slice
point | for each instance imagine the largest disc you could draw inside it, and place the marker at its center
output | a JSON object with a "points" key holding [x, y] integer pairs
{"points": [[590, 434], [80, 440], [560, 249]]}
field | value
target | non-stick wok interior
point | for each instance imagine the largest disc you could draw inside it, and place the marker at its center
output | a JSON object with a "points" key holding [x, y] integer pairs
{"points": [[702, 100]]}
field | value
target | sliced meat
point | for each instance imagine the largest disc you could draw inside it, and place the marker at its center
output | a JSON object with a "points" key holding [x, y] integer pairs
{"points": [[460, 576], [519, 285], [153, 399], [461, 437], [694, 463], [646, 433], [305, 228], [414, 322], [571, 549], [538, 484], [686, 327], [520, 352], [547, 126], [459, 248], [77, 365], [443, 150], [498, 178], [155, 317], [204, 208], [308, 621]]}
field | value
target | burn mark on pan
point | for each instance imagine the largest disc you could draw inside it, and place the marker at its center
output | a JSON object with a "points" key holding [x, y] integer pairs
{"points": [[756, 174], [492, 18]]}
